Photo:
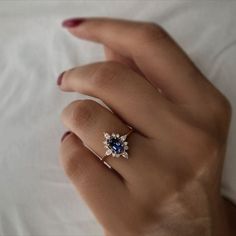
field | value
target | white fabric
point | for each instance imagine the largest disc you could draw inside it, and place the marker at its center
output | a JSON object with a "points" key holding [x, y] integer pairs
{"points": [[36, 199]]}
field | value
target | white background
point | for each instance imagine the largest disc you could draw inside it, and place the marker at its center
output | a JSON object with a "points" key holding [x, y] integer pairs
{"points": [[36, 199]]}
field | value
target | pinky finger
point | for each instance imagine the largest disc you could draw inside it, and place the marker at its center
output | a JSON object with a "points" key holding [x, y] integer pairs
{"points": [[99, 186]]}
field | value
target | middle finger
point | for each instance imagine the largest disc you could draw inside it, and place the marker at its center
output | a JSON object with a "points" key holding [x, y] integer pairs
{"points": [[127, 93]]}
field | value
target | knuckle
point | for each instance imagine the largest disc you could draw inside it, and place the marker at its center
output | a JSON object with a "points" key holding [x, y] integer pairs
{"points": [[106, 74], [80, 113], [149, 32], [199, 141]]}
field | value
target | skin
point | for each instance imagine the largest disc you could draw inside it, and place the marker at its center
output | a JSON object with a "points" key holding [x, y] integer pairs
{"points": [[170, 185]]}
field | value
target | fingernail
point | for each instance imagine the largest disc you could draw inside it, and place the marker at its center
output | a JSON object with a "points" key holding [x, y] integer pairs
{"points": [[59, 79], [65, 135], [74, 22]]}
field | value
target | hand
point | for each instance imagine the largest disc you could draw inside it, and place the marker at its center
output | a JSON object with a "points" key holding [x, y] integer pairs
{"points": [[170, 185]]}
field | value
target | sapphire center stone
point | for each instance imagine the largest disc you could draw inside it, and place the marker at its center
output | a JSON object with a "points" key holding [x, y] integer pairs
{"points": [[116, 145]]}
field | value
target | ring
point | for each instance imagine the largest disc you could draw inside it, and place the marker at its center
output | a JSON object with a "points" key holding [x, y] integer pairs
{"points": [[116, 145]]}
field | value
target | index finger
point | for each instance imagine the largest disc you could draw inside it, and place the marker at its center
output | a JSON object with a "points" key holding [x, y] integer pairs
{"points": [[159, 58]]}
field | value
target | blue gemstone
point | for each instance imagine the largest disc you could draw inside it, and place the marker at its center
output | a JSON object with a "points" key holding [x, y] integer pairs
{"points": [[116, 145]]}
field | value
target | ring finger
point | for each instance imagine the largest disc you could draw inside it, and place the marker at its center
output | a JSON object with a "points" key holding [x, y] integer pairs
{"points": [[89, 120]]}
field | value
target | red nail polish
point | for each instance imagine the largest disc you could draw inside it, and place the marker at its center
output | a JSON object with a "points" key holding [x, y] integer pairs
{"points": [[65, 135], [74, 22], [59, 79]]}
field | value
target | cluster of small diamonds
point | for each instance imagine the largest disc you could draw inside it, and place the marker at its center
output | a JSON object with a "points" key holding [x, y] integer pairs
{"points": [[116, 145]]}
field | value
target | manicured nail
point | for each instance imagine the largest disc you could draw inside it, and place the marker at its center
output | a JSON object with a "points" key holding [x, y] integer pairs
{"points": [[59, 79], [74, 22], [65, 135]]}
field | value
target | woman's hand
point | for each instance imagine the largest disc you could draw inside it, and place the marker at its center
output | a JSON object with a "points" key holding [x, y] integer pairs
{"points": [[170, 185]]}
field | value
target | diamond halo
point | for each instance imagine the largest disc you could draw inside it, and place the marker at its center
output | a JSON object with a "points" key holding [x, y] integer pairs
{"points": [[116, 145]]}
